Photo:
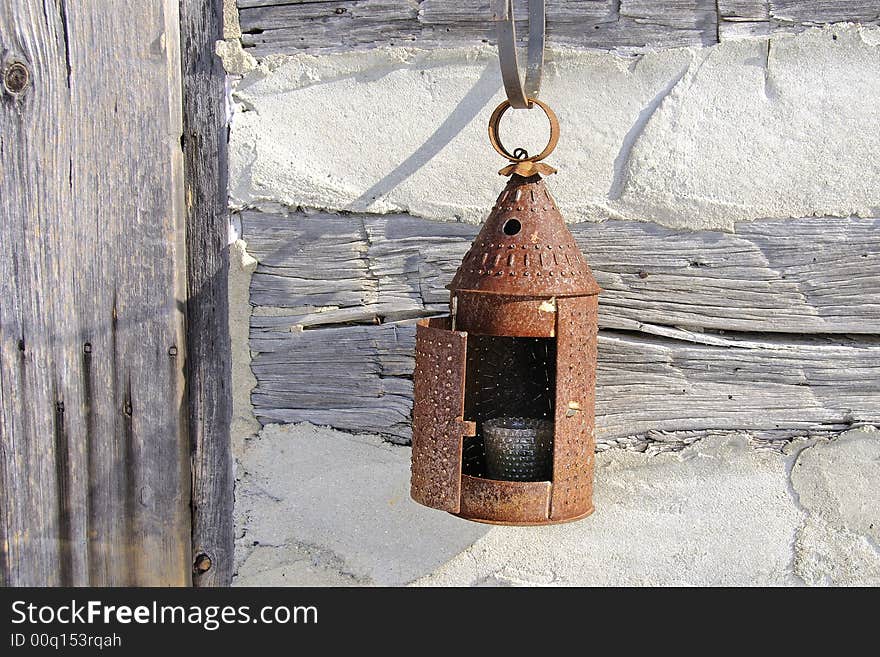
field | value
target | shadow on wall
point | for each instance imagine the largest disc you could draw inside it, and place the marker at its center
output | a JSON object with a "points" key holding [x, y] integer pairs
{"points": [[486, 86]]}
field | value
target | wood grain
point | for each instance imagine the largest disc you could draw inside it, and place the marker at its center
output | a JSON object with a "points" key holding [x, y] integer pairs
{"points": [[701, 331], [94, 463], [209, 369], [357, 378], [287, 26], [739, 18], [813, 275]]}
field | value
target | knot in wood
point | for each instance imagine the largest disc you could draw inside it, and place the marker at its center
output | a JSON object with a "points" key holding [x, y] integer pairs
{"points": [[16, 77]]}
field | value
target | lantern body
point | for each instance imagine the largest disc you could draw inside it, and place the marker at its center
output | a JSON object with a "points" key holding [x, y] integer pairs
{"points": [[520, 342]]}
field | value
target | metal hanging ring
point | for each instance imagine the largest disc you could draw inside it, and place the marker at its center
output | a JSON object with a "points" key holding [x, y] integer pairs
{"points": [[495, 140], [519, 94]]}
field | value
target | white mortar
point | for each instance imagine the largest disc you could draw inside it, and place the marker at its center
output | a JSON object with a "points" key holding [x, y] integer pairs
{"points": [[690, 138]]}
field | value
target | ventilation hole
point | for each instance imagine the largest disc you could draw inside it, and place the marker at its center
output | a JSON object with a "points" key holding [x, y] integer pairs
{"points": [[512, 227]]}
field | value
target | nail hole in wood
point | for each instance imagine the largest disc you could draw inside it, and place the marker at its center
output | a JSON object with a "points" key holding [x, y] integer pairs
{"points": [[202, 563]]}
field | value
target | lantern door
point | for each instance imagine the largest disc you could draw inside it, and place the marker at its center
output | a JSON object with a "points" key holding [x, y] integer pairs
{"points": [[574, 442], [439, 427]]}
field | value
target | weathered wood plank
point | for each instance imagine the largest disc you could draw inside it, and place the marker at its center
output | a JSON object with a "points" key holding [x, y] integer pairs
{"points": [[631, 24], [357, 378], [347, 24], [739, 18], [328, 287], [814, 275], [290, 27], [280, 26], [209, 368], [744, 18], [817, 12], [94, 467]]}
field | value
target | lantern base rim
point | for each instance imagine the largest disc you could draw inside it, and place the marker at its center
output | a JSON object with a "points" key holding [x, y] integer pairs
{"points": [[519, 523]]}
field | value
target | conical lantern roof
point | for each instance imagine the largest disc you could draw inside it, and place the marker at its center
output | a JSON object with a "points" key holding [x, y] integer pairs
{"points": [[525, 248]]}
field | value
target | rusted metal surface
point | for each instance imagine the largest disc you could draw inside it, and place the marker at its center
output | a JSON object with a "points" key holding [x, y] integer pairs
{"points": [[498, 314], [438, 412], [524, 307], [522, 164], [540, 259], [574, 442], [505, 502]]}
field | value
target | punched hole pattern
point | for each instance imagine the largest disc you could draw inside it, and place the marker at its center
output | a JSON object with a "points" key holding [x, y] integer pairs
{"points": [[575, 445], [437, 430]]}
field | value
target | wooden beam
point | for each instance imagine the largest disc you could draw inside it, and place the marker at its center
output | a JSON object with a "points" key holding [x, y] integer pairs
{"points": [[814, 275], [289, 26], [208, 343], [358, 378], [700, 330], [94, 458]]}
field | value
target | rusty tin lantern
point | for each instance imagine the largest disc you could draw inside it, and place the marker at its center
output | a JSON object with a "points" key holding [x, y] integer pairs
{"points": [[514, 361]]}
